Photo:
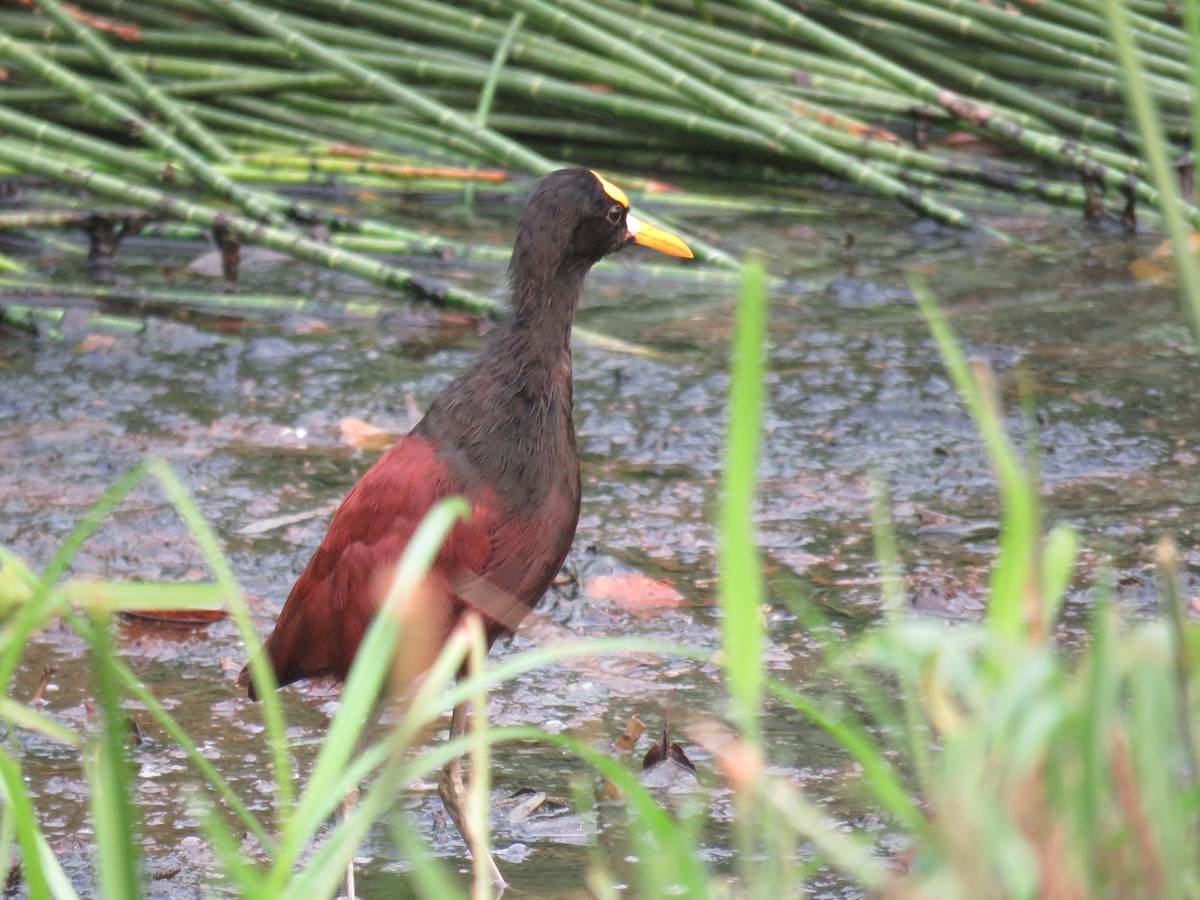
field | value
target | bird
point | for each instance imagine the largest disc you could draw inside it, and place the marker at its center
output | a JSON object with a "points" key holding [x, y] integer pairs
{"points": [[501, 435]]}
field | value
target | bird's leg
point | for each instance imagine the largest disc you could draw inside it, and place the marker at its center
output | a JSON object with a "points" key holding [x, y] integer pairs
{"points": [[351, 799], [454, 796]]}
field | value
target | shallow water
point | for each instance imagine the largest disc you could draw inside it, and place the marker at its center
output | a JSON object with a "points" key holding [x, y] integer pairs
{"points": [[248, 412]]}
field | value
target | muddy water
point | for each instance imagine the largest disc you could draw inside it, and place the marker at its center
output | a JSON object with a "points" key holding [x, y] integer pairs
{"points": [[248, 412]]}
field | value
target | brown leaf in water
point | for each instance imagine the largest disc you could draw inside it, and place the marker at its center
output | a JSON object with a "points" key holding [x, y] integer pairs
{"points": [[47, 674], [93, 342], [662, 751], [1157, 266], [365, 436], [305, 325], [665, 749], [635, 593], [177, 616], [629, 738]]}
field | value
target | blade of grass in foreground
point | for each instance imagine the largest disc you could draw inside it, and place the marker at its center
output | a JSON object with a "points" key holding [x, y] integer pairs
{"points": [[478, 811], [1013, 584], [364, 685], [118, 848], [887, 788], [45, 602], [18, 805], [741, 576], [264, 677]]}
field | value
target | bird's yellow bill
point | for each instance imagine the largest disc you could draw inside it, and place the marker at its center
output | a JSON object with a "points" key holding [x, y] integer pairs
{"points": [[656, 238]]}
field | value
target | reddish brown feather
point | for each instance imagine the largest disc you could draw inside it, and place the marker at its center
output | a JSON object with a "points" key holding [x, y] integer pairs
{"points": [[334, 599]]}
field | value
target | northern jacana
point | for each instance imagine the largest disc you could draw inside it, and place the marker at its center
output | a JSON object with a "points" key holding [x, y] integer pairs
{"points": [[501, 435]]}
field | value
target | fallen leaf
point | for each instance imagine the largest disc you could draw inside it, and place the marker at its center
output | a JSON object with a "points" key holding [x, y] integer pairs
{"points": [[93, 342], [1158, 266], [635, 593], [177, 616], [665, 750], [629, 738], [47, 674], [365, 436]]}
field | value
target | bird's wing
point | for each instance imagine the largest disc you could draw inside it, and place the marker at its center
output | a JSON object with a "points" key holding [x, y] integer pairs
{"points": [[334, 599]]}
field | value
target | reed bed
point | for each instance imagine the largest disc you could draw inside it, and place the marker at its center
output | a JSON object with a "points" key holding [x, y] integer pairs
{"points": [[209, 111]]}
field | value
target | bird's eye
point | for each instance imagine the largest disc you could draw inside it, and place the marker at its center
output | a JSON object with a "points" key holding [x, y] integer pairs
{"points": [[615, 212]]}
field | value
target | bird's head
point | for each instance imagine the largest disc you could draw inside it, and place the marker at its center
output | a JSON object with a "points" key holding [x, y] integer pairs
{"points": [[574, 218]]}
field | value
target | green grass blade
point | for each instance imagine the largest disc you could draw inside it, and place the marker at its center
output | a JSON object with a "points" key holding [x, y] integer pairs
{"points": [[1012, 586], [17, 803], [887, 787], [885, 547], [741, 587], [479, 806], [44, 601], [118, 849], [18, 583], [675, 857], [1060, 554], [487, 92], [430, 878], [91, 520], [264, 678], [23, 717], [366, 683], [134, 596]]}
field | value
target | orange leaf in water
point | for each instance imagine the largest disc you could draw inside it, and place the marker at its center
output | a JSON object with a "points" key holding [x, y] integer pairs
{"points": [[93, 342], [638, 594], [1157, 266], [178, 616], [629, 738], [365, 436]]}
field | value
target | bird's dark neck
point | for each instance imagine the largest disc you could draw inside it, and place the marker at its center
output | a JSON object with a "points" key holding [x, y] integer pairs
{"points": [[508, 417], [538, 333]]}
